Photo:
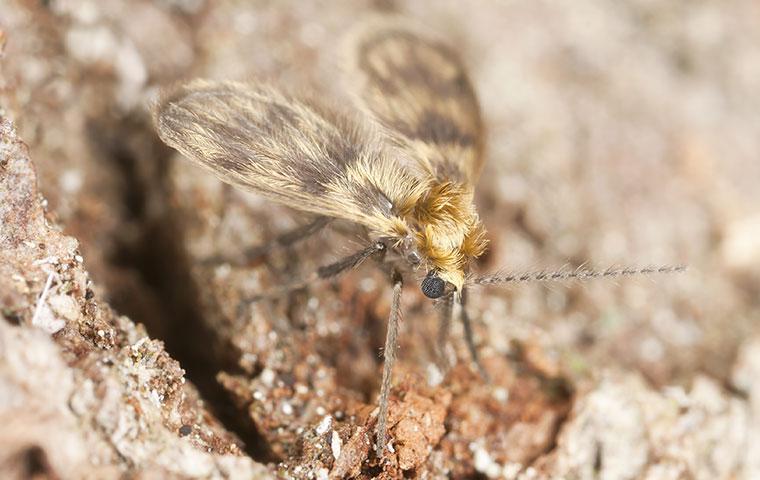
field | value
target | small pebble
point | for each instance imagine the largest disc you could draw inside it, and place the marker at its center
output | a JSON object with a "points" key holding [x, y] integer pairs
{"points": [[324, 425]]}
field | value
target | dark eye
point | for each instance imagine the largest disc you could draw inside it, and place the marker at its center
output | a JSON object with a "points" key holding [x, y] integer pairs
{"points": [[433, 287], [413, 258]]}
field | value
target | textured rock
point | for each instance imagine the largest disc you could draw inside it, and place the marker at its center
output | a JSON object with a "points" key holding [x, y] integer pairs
{"points": [[85, 393], [624, 429], [618, 133]]}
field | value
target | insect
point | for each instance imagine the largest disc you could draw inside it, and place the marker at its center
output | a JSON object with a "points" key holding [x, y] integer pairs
{"points": [[407, 179]]}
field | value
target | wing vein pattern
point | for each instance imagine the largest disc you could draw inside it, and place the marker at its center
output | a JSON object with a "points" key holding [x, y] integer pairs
{"points": [[417, 87], [290, 150]]}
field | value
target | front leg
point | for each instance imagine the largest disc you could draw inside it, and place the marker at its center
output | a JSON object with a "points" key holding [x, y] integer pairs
{"points": [[283, 241], [445, 307], [288, 239], [389, 357], [323, 273], [468, 335]]}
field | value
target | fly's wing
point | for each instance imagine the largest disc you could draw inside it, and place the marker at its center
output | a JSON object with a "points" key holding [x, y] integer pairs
{"points": [[290, 150], [418, 89]]}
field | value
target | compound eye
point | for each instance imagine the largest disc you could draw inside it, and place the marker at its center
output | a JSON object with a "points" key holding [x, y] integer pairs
{"points": [[432, 286]]}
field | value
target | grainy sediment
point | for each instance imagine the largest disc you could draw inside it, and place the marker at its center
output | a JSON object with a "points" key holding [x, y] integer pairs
{"points": [[618, 134]]}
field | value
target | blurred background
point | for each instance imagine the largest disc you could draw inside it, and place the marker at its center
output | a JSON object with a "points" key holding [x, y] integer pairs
{"points": [[618, 134]]}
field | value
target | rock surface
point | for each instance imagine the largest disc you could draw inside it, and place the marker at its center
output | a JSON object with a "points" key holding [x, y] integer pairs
{"points": [[618, 133]]}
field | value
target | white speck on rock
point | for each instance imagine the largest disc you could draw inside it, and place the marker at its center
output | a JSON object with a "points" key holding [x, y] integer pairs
{"points": [[741, 244], [52, 260], [511, 470], [267, 377], [501, 394], [155, 398], [43, 316], [678, 395], [313, 303], [484, 463], [336, 444], [434, 375], [46, 320], [91, 44], [138, 344], [324, 425], [531, 472], [71, 181], [389, 446], [64, 306], [223, 271]]}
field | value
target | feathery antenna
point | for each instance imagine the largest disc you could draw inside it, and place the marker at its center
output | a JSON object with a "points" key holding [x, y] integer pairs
{"points": [[580, 273]]}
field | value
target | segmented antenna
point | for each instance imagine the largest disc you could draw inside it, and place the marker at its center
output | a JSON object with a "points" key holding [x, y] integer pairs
{"points": [[580, 273]]}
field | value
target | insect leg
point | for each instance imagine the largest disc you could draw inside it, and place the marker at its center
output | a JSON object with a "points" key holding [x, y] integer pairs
{"points": [[284, 240], [324, 272], [351, 261], [445, 309], [389, 354], [468, 335], [288, 238]]}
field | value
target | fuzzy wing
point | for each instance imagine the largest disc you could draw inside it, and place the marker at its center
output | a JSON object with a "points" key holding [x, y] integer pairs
{"points": [[417, 87], [290, 150]]}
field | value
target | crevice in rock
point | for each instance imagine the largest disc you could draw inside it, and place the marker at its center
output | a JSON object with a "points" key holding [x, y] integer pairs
{"points": [[155, 252]]}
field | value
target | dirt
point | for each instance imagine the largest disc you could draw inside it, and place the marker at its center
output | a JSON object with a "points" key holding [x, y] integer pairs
{"points": [[618, 134]]}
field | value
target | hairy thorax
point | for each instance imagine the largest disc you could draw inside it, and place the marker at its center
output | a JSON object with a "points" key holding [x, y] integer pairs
{"points": [[447, 230]]}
